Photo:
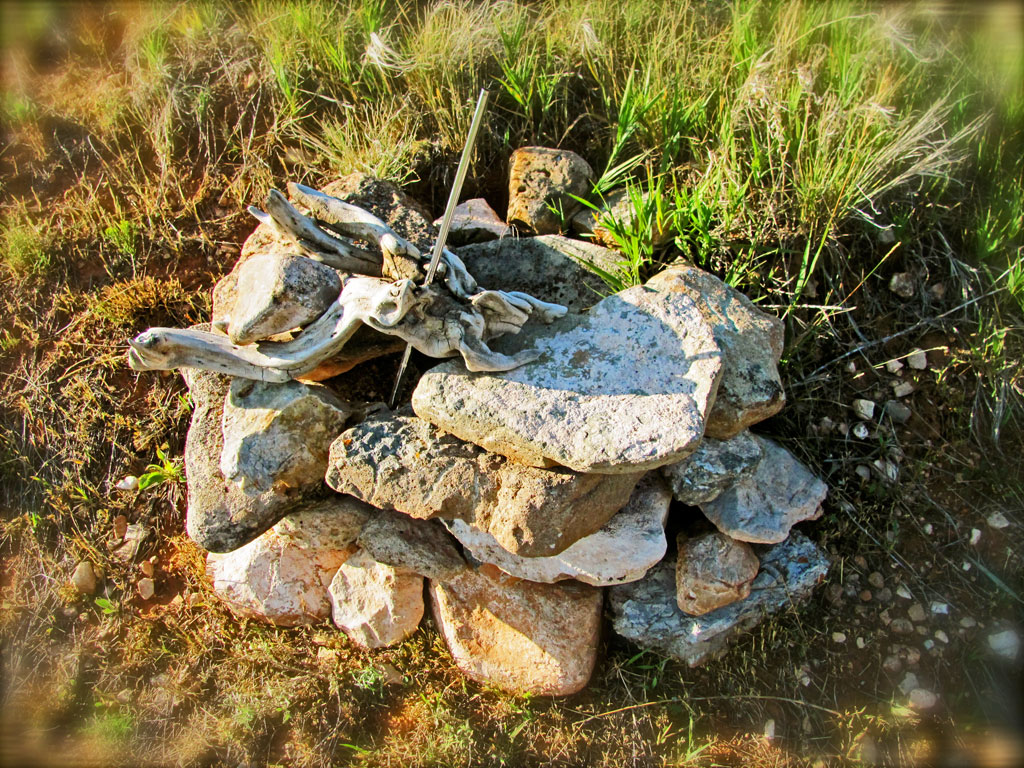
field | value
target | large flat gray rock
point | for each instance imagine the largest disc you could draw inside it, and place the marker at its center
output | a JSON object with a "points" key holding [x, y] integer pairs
{"points": [[551, 268], [766, 503], [624, 549], [646, 612], [751, 343], [401, 462], [624, 388]]}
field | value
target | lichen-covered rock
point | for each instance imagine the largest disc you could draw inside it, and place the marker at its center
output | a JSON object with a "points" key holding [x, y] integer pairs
{"points": [[540, 179], [712, 571], [277, 292], [225, 512], [551, 268], [399, 461], [422, 547], [624, 549], [751, 343], [713, 467], [647, 613], [376, 605], [283, 575], [278, 436], [529, 638], [626, 387], [474, 221], [330, 523], [765, 504]]}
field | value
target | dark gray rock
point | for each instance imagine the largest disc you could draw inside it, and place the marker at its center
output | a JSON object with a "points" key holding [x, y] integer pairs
{"points": [[422, 547], [713, 467], [646, 611]]}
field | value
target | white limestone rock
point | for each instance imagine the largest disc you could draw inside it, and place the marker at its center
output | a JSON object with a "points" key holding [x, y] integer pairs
{"points": [[277, 292], [764, 505], [524, 637], [376, 605], [624, 549], [751, 343], [283, 575], [624, 388], [713, 467]]}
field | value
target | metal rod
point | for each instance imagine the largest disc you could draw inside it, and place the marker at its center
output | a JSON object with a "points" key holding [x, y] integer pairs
{"points": [[446, 220]]}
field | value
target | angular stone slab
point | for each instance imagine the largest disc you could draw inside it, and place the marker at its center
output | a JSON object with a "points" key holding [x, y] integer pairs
{"points": [[713, 467], [330, 523], [278, 436], [764, 505], [420, 546], [624, 549], [712, 571], [281, 577], [541, 178], [399, 461], [551, 268], [524, 637], [374, 604], [221, 516], [751, 343], [388, 203], [624, 388], [646, 612], [277, 292], [474, 221]]}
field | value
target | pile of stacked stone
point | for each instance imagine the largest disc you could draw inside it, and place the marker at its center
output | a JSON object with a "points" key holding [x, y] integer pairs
{"points": [[526, 503]]}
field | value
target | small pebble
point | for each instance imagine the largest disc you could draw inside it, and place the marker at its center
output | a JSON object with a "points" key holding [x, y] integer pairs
{"points": [[940, 609], [120, 524], [941, 636], [838, 637], [860, 642], [769, 729], [864, 409], [865, 595], [897, 411], [928, 644], [834, 593], [917, 359], [911, 655], [909, 683], [1005, 644], [938, 291], [997, 520], [929, 529], [127, 483], [147, 588], [851, 367], [860, 430], [863, 472], [860, 561], [967, 622], [902, 284], [975, 536], [884, 595], [876, 580], [894, 365], [966, 565], [892, 665], [923, 699], [903, 592], [84, 578], [902, 388], [147, 568], [902, 626], [843, 428]]}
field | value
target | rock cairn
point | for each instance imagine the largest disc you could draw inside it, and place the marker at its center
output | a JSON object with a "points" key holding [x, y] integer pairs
{"points": [[523, 504]]}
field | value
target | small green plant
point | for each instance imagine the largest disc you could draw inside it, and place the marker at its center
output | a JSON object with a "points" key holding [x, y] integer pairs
{"points": [[24, 248], [167, 471], [370, 679], [121, 235], [109, 607]]}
